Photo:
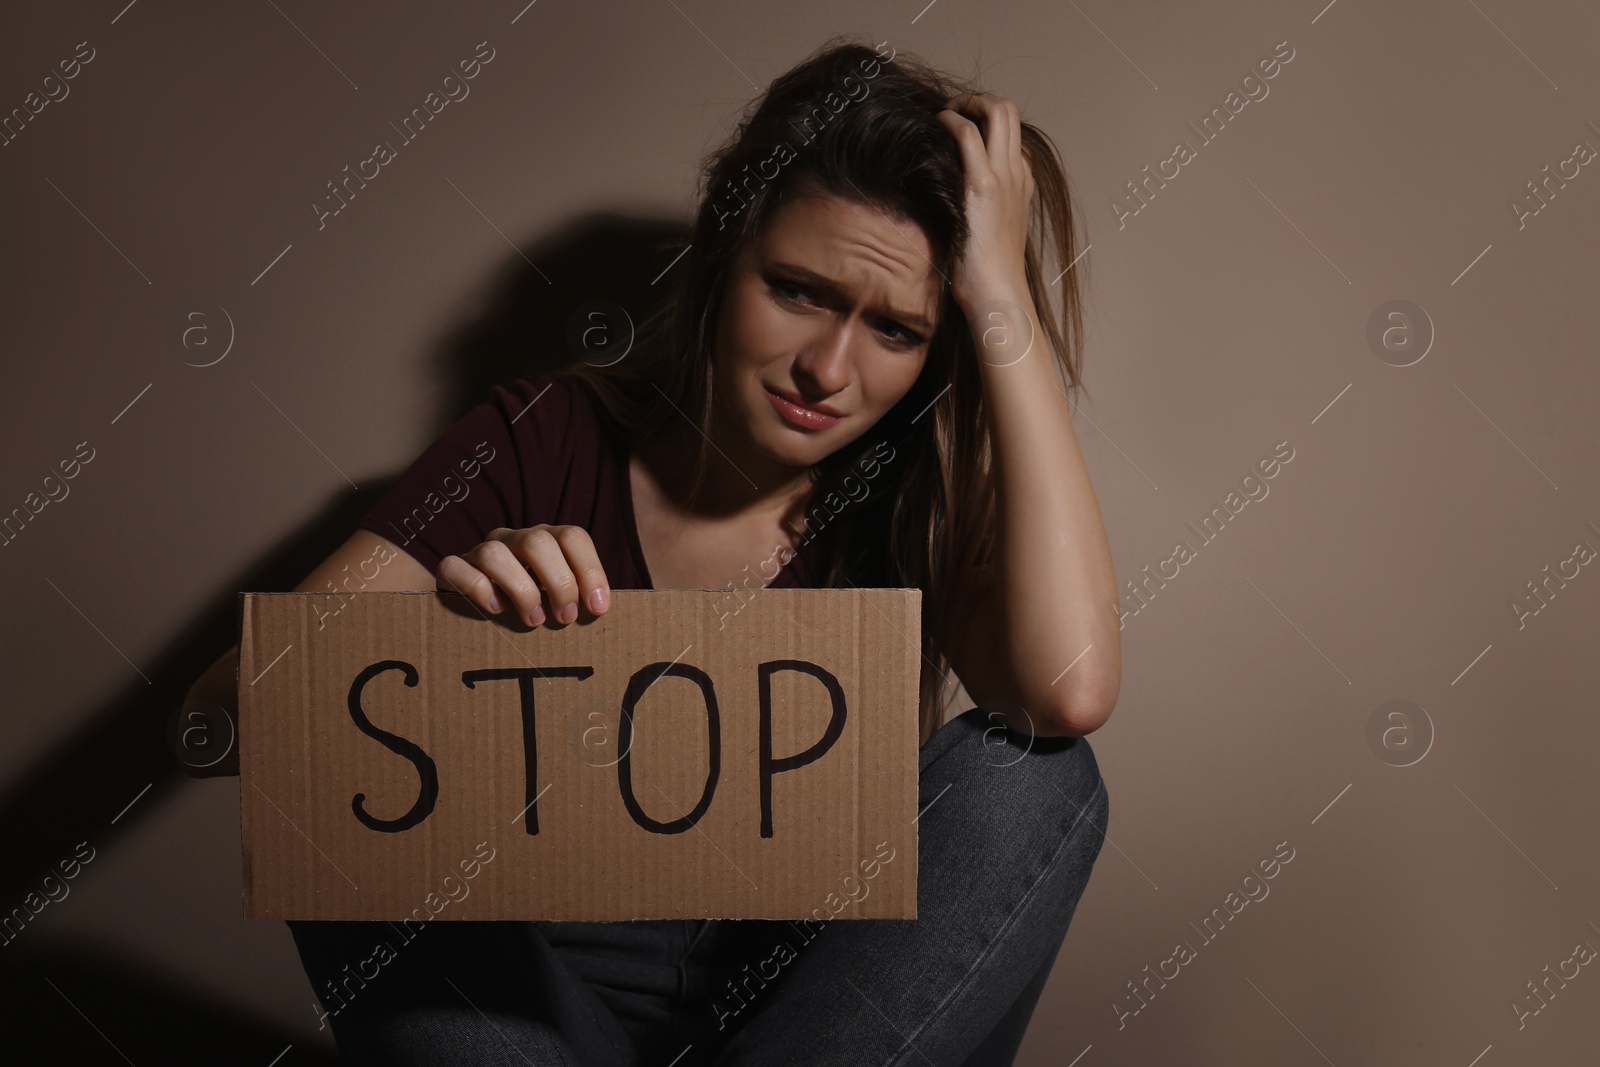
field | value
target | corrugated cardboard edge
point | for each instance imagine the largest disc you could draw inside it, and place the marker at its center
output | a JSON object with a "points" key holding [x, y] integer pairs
{"points": [[238, 739]]}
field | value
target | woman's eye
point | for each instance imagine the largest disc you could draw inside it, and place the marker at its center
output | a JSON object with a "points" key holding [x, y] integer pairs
{"points": [[900, 337], [787, 290]]}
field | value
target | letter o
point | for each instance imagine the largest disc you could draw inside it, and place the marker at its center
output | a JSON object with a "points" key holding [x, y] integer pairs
{"points": [[641, 681]]}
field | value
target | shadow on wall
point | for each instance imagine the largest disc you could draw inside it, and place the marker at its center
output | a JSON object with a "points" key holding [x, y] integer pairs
{"points": [[541, 306], [122, 751]]}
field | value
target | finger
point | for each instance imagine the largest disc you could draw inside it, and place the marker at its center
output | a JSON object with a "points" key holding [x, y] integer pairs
{"points": [[508, 570], [974, 159], [1008, 131], [593, 588], [456, 575], [1003, 143], [1001, 126], [540, 549]]}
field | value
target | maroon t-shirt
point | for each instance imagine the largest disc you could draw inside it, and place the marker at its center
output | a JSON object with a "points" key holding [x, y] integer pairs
{"points": [[535, 452]]}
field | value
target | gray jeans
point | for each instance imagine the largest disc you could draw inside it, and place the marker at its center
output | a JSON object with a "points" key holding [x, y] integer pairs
{"points": [[1010, 831]]}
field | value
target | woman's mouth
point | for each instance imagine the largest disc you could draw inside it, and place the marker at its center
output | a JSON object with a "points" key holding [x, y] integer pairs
{"points": [[796, 415]]}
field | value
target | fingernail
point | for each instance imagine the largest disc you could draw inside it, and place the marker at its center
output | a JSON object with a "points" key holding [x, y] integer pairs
{"points": [[536, 616], [598, 601], [496, 605], [569, 613]]}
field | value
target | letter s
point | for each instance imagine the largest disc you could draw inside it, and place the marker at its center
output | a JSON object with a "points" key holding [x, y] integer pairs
{"points": [[79, 53], [427, 770], [1278, 451], [479, 52], [1277, 50]]}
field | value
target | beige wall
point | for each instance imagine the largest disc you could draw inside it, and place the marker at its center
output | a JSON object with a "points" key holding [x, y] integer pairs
{"points": [[1225, 317]]}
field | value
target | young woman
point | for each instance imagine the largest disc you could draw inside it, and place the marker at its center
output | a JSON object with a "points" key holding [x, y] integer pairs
{"points": [[861, 379]]}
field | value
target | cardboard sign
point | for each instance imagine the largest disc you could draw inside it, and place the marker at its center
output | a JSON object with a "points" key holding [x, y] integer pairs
{"points": [[404, 757]]}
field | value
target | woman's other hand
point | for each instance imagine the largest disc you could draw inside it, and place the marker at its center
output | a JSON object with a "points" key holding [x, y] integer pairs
{"points": [[1000, 188], [543, 571]]}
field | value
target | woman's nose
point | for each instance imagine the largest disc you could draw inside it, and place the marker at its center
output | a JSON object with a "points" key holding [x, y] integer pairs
{"points": [[826, 361]]}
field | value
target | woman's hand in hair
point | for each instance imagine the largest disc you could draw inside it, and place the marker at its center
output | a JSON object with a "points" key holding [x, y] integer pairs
{"points": [[999, 189], [543, 571]]}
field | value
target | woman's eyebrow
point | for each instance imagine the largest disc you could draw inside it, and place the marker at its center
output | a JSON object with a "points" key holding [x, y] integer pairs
{"points": [[832, 288]]}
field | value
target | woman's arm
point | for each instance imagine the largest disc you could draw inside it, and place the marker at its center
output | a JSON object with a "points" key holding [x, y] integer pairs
{"points": [[1046, 634], [220, 684]]}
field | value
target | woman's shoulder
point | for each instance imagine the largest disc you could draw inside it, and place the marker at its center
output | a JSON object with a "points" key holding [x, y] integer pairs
{"points": [[552, 413], [538, 399]]}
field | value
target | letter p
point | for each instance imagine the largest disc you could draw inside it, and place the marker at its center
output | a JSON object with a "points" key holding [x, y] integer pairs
{"points": [[771, 766]]}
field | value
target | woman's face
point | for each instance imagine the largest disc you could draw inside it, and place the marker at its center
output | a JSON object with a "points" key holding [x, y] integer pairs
{"points": [[832, 308]]}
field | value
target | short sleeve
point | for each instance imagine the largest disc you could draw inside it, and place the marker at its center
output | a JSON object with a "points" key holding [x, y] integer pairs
{"points": [[486, 471]]}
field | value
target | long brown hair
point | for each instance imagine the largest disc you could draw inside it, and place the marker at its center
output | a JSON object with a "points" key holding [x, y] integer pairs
{"points": [[927, 518]]}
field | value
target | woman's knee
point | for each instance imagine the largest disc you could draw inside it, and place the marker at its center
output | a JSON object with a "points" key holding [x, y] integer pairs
{"points": [[1055, 776]]}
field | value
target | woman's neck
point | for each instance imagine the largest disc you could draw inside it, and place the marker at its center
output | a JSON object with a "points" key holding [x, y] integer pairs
{"points": [[736, 479]]}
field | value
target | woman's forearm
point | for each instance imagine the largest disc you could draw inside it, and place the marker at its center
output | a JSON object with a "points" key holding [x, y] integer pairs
{"points": [[219, 685], [1055, 598]]}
